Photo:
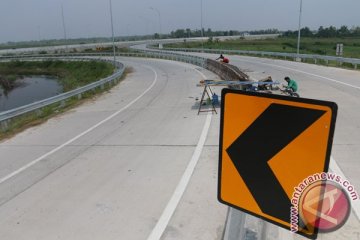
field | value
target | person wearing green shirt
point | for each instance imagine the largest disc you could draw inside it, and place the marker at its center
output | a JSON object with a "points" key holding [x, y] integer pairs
{"points": [[291, 84]]}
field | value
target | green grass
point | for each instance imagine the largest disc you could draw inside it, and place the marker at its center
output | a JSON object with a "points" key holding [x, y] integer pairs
{"points": [[321, 46], [71, 74], [42, 115]]}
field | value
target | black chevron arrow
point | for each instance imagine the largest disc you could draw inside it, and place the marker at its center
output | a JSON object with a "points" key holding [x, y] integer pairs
{"points": [[273, 130]]}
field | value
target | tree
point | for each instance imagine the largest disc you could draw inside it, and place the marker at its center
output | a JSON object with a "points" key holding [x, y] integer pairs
{"points": [[179, 33], [321, 32], [188, 32], [355, 31], [343, 31], [332, 31], [306, 32]]}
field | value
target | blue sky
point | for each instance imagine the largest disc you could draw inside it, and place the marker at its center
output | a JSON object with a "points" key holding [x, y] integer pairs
{"points": [[41, 19]]}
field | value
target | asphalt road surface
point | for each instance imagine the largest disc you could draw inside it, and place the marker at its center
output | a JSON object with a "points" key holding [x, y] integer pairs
{"points": [[116, 167], [109, 168]]}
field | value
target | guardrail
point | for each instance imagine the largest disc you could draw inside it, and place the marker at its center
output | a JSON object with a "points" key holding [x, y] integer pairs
{"points": [[233, 224], [6, 116], [354, 61], [199, 61]]}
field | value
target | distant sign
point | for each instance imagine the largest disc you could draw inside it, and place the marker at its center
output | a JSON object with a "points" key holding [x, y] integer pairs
{"points": [[268, 144], [339, 49]]}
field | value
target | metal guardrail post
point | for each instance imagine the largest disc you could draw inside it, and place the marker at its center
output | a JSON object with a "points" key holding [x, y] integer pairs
{"points": [[264, 230], [235, 225]]}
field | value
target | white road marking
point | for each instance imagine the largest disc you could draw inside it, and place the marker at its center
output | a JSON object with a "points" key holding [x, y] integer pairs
{"points": [[203, 75], [336, 169], [311, 74], [2, 180], [170, 208], [181, 187]]}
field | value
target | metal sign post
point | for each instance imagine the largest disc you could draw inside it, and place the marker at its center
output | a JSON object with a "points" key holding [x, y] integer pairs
{"points": [[235, 225]]}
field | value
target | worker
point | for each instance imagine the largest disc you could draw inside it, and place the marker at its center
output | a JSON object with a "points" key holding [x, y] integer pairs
{"points": [[223, 59], [292, 85]]}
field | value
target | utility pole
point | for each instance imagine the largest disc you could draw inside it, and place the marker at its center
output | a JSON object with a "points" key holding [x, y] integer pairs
{"points": [[159, 15], [298, 43], [201, 23], [112, 31], [63, 22]]}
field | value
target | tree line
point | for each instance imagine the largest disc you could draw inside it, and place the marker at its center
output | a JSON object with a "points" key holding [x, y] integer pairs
{"points": [[328, 32], [322, 32], [187, 33]]}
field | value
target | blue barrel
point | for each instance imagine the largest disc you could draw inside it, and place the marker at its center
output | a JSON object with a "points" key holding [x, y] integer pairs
{"points": [[215, 99]]}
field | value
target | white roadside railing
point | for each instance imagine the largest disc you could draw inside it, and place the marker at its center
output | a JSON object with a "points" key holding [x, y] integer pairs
{"points": [[7, 116], [316, 58]]}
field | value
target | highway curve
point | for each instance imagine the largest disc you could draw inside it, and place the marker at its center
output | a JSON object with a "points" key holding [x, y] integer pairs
{"points": [[108, 169]]}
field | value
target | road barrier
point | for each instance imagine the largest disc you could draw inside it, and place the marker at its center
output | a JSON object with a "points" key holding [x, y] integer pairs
{"points": [[315, 58], [7, 116], [226, 71], [223, 70]]}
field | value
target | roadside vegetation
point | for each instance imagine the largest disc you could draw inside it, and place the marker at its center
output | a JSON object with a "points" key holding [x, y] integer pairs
{"points": [[322, 42], [321, 46], [42, 115], [71, 74]]}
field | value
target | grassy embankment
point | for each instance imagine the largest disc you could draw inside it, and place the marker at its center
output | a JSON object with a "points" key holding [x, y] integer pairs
{"points": [[71, 75], [320, 46]]}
